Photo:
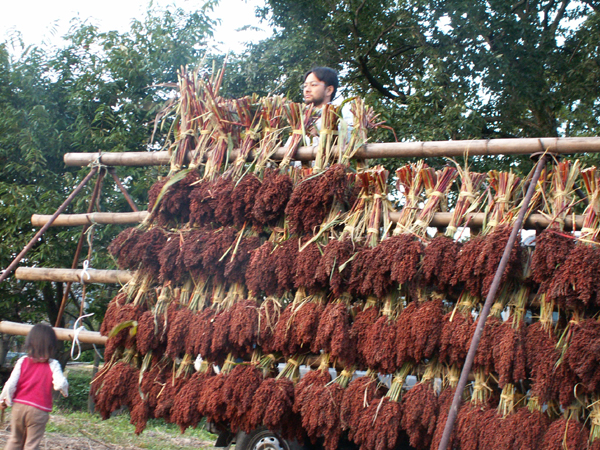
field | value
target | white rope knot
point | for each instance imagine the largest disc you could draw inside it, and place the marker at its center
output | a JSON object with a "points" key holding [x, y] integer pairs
{"points": [[76, 338], [84, 272]]}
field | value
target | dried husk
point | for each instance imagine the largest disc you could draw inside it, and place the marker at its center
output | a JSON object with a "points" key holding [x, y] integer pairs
{"points": [[334, 268], [420, 413], [333, 336], [272, 198], [308, 261], [439, 262], [564, 433], [185, 411], [359, 394], [261, 276], [238, 392], [114, 387], [122, 248], [243, 198]]}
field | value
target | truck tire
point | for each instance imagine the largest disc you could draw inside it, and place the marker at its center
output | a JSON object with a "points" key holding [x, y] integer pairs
{"points": [[264, 439]]}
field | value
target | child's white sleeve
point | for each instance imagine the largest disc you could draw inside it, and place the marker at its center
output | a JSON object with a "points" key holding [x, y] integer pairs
{"points": [[11, 384], [58, 379]]}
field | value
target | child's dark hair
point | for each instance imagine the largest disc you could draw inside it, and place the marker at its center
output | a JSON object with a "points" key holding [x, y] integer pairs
{"points": [[41, 342]]}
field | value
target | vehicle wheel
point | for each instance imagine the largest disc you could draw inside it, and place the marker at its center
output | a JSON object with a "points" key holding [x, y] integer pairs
{"points": [[264, 439]]}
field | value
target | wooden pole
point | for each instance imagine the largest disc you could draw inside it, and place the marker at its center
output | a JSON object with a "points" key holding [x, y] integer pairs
{"points": [[132, 204], [101, 218], [523, 146], [73, 275], [39, 234], [439, 219], [63, 334]]}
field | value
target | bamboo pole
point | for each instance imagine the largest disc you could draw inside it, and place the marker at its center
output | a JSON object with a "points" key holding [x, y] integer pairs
{"points": [[73, 275], [440, 219], [101, 218], [13, 265], [62, 334], [515, 146]]}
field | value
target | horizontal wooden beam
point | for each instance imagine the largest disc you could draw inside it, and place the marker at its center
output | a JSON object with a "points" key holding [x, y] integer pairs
{"points": [[73, 275], [481, 147], [475, 220], [63, 334], [102, 218], [439, 219]]}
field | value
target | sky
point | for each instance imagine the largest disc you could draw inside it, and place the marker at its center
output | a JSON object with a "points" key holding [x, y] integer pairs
{"points": [[44, 21]]}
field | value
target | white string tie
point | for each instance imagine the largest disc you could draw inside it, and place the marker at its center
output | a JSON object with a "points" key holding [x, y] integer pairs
{"points": [[85, 273], [76, 337]]}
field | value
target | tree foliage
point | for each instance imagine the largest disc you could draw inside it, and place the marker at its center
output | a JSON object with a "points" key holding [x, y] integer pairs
{"points": [[444, 69], [99, 92]]}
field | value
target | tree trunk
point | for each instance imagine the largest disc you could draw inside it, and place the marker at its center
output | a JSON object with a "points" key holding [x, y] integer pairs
{"points": [[4, 346], [91, 403]]}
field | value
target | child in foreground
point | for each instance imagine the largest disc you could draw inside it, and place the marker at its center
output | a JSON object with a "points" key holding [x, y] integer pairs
{"points": [[29, 389]]}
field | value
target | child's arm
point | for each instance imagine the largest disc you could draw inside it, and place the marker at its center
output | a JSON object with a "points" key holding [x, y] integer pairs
{"points": [[11, 384], [58, 379]]}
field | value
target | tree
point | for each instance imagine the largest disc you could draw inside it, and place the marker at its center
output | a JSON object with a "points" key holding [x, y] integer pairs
{"points": [[100, 92], [443, 69]]}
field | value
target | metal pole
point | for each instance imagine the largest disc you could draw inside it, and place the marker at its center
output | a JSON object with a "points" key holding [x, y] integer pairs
{"points": [[6, 272], [95, 194], [488, 305]]}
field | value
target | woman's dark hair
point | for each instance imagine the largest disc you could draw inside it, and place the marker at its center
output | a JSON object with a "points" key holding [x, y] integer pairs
{"points": [[327, 76], [41, 342]]}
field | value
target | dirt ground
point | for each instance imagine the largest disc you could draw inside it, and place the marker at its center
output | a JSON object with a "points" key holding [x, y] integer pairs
{"points": [[86, 441]]}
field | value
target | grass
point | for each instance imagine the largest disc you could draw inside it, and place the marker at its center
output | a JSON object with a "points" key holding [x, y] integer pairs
{"points": [[70, 418], [117, 431]]}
